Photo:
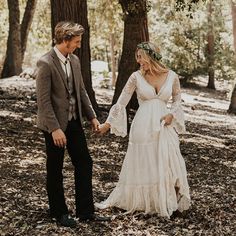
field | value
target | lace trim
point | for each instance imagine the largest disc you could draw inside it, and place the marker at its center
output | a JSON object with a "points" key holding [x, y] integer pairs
{"points": [[118, 120], [117, 116], [145, 198], [176, 108], [130, 85]]}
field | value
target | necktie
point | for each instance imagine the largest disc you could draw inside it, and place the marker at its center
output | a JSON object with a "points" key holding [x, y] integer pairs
{"points": [[65, 64]]}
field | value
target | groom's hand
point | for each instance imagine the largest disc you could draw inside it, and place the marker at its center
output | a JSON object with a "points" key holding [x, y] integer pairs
{"points": [[95, 124], [59, 138]]}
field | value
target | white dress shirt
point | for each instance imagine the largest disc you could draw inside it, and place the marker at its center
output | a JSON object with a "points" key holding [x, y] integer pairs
{"points": [[64, 61]]}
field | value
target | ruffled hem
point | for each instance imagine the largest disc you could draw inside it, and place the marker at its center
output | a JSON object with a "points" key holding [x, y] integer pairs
{"points": [[118, 131], [149, 175], [146, 198]]}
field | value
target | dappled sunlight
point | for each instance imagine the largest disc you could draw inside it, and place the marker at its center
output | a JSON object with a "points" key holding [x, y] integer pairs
{"points": [[208, 148], [204, 117], [196, 39], [201, 139], [200, 99]]}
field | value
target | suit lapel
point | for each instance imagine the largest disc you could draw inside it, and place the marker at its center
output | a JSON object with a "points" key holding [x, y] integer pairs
{"points": [[59, 68], [75, 70]]}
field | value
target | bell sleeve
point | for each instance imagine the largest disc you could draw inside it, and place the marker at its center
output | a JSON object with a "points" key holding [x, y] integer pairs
{"points": [[117, 117], [176, 107]]}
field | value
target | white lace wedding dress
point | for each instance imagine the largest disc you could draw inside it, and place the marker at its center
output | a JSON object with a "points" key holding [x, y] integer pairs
{"points": [[153, 166]]}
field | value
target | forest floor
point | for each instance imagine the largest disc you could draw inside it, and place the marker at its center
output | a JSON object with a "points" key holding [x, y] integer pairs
{"points": [[208, 147]]}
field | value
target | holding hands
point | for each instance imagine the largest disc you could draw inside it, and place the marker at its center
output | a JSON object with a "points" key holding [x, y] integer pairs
{"points": [[103, 128], [98, 128], [59, 137], [95, 124]]}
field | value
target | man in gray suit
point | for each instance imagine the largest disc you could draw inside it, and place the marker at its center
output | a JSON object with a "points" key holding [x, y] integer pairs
{"points": [[60, 97]]}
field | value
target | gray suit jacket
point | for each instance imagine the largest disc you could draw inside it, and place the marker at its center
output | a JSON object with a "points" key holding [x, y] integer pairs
{"points": [[53, 94]]}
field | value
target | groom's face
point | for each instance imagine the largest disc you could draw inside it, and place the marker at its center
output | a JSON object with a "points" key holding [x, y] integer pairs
{"points": [[73, 44]]}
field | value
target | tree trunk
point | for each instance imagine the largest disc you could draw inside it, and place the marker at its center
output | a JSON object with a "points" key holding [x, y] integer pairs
{"points": [[210, 47], [233, 13], [232, 106], [13, 61], [135, 31], [113, 60], [76, 11], [17, 38], [26, 23]]}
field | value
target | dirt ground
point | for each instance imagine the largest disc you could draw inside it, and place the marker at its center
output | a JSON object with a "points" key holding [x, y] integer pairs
{"points": [[208, 147]]}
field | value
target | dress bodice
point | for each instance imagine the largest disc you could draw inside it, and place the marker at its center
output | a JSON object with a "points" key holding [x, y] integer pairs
{"points": [[146, 92]]}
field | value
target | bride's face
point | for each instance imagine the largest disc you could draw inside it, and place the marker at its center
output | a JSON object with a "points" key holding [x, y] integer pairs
{"points": [[144, 65]]}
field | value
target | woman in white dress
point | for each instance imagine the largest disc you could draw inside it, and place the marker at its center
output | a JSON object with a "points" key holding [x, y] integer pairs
{"points": [[153, 177]]}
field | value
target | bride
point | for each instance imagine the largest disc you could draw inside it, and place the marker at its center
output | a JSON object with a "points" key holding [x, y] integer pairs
{"points": [[153, 177]]}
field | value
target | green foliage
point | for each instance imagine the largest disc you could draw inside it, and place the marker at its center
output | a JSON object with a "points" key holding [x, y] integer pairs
{"points": [[185, 55], [3, 28], [184, 39], [41, 27], [40, 37], [181, 5], [104, 19], [225, 64], [39, 40], [134, 7]]}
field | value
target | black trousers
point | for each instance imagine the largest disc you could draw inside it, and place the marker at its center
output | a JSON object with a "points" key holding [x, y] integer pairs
{"points": [[82, 162]]}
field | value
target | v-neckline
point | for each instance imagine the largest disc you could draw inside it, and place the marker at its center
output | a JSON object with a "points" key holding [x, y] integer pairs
{"points": [[154, 89]]}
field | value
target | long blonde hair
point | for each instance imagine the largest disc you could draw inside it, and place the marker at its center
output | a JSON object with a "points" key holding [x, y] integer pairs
{"points": [[155, 65]]}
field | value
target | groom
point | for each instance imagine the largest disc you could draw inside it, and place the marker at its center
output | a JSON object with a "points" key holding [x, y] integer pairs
{"points": [[61, 96]]}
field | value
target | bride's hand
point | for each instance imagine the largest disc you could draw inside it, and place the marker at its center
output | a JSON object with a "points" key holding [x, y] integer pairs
{"points": [[103, 128], [168, 119]]}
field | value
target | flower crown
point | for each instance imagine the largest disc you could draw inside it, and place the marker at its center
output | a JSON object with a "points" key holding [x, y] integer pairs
{"points": [[154, 55]]}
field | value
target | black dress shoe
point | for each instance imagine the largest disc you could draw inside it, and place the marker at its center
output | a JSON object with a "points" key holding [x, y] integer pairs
{"points": [[94, 217], [66, 221]]}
